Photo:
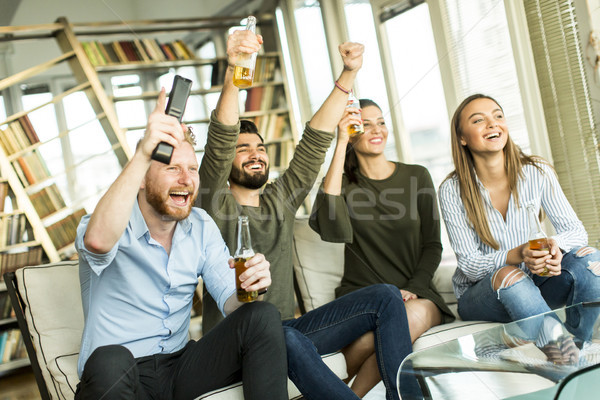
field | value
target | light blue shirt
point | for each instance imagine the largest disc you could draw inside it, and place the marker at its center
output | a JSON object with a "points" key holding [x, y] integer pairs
{"points": [[475, 258], [138, 296]]}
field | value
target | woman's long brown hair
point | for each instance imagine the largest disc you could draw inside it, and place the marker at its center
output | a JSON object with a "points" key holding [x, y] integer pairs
{"points": [[464, 170]]}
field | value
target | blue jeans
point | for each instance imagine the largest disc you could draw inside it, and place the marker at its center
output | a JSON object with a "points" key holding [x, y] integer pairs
{"points": [[578, 282], [329, 328]]}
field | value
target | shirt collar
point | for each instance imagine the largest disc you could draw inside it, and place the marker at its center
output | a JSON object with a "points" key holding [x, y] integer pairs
{"points": [[139, 227]]}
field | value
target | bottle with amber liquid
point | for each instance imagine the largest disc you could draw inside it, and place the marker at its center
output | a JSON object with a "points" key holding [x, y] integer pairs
{"points": [[243, 253], [243, 73], [537, 238], [355, 130]]}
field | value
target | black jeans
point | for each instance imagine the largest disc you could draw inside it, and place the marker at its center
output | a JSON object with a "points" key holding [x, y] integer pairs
{"points": [[246, 346]]}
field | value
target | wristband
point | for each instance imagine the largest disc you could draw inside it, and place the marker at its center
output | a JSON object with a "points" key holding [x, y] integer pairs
{"points": [[343, 89]]}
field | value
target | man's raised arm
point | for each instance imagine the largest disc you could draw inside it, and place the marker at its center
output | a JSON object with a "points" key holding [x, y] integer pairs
{"points": [[113, 211]]}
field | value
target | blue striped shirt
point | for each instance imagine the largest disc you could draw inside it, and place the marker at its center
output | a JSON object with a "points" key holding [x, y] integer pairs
{"points": [[475, 258]]}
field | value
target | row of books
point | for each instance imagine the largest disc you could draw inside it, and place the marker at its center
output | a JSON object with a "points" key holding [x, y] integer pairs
{"points": [[266, 69], [273, 126], [12, 346], [18, 135], [280, 153], [6, 310], [47, 200], [11, 261], [14, 229], [137, 50], [64, 231], [31, 168]]}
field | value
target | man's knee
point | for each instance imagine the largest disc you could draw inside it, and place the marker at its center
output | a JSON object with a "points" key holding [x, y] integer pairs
{"points": [[261, 314], [506, 277], [107, 360], [110, 371]]}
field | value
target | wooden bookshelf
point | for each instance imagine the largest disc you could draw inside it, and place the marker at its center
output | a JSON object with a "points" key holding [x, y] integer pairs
{"points": [[50, 218], [270, 76]]}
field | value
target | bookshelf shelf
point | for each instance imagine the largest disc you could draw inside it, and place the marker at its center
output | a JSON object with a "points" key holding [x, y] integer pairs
{"points": [[14, 365]]}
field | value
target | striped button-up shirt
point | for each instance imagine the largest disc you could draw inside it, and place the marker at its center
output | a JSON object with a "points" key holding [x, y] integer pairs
{"points": [[475, 258]]}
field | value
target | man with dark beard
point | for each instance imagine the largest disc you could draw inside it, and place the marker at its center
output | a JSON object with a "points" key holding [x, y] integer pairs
{"points": [[141, 254], [235, 153]]}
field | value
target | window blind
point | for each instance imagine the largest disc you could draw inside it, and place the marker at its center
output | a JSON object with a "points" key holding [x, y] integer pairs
{"points": [[572, 130], [481, 58]]}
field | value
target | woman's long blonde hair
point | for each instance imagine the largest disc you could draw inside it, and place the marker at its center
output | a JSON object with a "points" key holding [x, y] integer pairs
{"points": [[464, 170]]}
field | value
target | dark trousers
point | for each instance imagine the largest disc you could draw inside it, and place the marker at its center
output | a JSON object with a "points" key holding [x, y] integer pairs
{"points": [[246, 346]]}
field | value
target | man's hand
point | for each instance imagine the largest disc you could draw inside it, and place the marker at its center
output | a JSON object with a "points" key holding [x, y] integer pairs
{"points": [[352, 55], [257, 275], [240, 44], [160, 128]]}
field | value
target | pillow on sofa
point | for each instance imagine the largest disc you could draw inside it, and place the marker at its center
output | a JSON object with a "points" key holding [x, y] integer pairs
{"points": [[318, 265], [54, 315]]}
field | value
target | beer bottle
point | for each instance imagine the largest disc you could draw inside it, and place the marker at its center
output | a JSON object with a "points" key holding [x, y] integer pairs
{"points": [[243, 73], [354, 130], [537, 238], [243, 253]]}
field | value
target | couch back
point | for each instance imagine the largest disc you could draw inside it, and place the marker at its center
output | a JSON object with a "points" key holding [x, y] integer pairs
{"points": [[54, 316], [319, 266]]}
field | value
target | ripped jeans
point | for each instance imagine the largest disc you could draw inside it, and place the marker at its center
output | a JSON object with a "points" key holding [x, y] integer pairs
{"points": [[532, 295]]}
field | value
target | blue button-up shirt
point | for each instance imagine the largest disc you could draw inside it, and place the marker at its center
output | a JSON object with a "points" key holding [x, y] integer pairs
{"points": [[138, 296]]}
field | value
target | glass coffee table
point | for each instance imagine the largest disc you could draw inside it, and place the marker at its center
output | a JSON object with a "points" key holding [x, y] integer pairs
{"points": [[510, 360]]}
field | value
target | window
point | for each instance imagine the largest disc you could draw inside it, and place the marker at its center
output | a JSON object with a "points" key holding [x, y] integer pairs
{"points": [[361, 29], [313, 47], [422, 103], [482, 60]]}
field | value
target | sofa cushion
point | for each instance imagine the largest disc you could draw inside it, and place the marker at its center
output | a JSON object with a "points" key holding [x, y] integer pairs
{"points": [[318, 265], [54, 315], [335, 361]]}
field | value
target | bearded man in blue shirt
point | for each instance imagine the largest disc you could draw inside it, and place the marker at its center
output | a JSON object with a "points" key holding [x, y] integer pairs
{"points": [[141, 254]]}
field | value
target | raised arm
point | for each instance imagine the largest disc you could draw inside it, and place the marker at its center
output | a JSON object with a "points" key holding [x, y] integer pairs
{"points": [[333, 180], [113, 211], [239, 42], [330, 113]]}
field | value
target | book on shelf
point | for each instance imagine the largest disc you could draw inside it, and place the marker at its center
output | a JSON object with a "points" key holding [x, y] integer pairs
{"points": [[14, 229], [63, 232], [47, 200], [31, 168], [3, 194], [137, 50], [18, 135], [5, 306], [13, 259], [11, 346]]}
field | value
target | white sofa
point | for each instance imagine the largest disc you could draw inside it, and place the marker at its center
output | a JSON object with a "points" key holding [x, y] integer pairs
{"points": [[318, 267], [53, 317]]}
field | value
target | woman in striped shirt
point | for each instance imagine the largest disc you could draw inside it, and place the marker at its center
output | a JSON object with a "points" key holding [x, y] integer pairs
{"points": [[484, 205]]}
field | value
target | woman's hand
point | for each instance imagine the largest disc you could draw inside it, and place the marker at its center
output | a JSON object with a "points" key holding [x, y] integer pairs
{"points": [[545, 262], [352, 55], [350, 117], [406, 295]]}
